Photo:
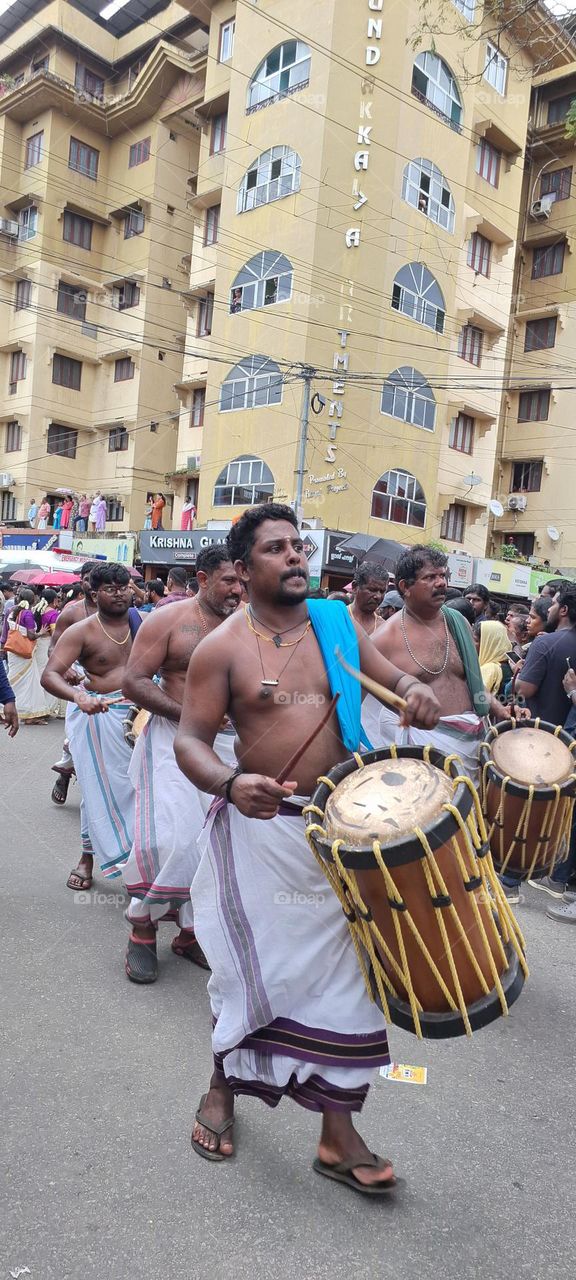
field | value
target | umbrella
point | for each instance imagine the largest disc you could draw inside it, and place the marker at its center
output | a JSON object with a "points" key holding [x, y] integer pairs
{"points": [[24, 575], [52, 578], [365, 547]]}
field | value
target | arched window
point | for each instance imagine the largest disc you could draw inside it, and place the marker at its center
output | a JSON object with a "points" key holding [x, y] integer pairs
{"points": [[426, 189], [243, 482], [417, 294], [434, 84], [276, 173], [407, 395], [397, 496], [255, 382], [264, 280], [284, 70]]}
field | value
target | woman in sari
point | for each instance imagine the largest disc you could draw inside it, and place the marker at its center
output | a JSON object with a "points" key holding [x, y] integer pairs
{"points": [[34, 705], [46, 616], [493, 656]]}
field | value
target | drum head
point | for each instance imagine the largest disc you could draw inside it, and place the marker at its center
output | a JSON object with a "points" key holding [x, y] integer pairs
{"points": [[532, 756], [385, 801]]}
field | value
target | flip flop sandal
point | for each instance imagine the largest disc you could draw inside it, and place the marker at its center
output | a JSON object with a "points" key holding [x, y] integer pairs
{"points": [[60, 789], [191, 951], [79, 888], [141, 961], [217, 1130], [342, 1172]]}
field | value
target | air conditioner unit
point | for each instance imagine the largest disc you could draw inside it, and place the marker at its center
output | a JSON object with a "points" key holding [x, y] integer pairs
{"points": [[517, 502], [540, 209], [9, 228], [6, 480]]}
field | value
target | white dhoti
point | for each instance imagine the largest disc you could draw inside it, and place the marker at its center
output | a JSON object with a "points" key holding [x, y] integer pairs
{"points": [[24, 674], [291, 1011], [169, 815], [459, 735], [101, 759]]}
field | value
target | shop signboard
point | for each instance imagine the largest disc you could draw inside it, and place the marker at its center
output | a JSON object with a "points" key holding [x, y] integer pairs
{"points": [[504, 577], [122, 550], [173, 546], [335, 561], [31, 541], [460, 569]]}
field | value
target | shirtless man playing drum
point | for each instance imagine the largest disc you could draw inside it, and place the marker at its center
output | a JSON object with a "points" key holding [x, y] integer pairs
{"points": [[292, 1015], [169, 810], [101, 644], [434, 643]]}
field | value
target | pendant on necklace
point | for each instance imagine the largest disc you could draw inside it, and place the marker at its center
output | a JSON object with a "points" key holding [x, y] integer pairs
{"points": [[267, 687], [277, 641]]}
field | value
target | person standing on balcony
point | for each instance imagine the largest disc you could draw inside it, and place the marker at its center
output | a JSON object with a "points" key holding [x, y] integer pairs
{"points": [[101, 515], [157, 510], [32, 513], [188, 514], [43, 514]]}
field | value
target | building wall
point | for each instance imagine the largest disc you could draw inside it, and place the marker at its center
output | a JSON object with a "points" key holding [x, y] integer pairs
{"points": [[151, 333], [340, 285], [546, 441]]}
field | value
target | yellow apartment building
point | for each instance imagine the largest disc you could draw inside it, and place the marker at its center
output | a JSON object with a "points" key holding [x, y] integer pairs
{"points": [[98, 137], [534, 481], [356, 204]]}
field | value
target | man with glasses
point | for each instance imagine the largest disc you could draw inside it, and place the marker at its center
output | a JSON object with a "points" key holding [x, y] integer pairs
{"points": [[101, 644]]}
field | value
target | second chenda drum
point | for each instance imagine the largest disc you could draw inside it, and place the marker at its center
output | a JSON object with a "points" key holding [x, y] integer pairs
{"points": [[528, 789], [400, 835]]}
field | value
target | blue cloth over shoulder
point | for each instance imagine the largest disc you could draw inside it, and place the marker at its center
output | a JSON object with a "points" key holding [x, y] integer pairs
{"points": [[333, 628]]}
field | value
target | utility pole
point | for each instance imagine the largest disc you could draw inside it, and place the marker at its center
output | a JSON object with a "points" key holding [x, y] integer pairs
{"points": [[306, 375]]}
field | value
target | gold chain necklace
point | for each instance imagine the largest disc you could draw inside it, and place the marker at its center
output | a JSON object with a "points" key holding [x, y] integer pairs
{"points": [[280, 644], [107, 633], [368, 633], [267, 685]]}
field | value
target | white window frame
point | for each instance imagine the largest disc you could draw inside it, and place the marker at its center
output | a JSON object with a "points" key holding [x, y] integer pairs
{"points": [[226, 40], [496, 69], [425, 188], [466, 8], [254, 383], [397, 478], [414, 303], [28, 222], [197, 407], [441, 98], [287, 78], [268, 186], [408, 401], [253, 469], [253, 293]]}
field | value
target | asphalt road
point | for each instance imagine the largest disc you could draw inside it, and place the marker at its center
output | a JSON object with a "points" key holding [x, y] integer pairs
{"points": [[101, 1079]]}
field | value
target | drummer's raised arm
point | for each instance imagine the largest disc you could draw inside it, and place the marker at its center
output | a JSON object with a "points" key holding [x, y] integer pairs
{"points": [[422, 705]]}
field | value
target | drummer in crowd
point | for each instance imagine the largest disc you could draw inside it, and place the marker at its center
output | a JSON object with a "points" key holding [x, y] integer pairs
{"points": [[291, 1012], [368, 589], [434, 642]]}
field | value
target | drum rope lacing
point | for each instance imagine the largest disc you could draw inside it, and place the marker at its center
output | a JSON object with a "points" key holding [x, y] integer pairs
{"points": [[366, 931], [520, 836]]}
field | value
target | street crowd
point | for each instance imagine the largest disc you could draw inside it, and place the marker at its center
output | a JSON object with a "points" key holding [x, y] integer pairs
{"points": [[183, 706]]}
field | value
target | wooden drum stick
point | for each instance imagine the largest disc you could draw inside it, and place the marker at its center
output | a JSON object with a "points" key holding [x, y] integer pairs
{"points": [[379, 690], [293, 761]]}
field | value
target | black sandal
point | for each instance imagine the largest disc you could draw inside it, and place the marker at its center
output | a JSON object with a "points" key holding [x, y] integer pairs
{"points": [[141, 961], [60, 789]]}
